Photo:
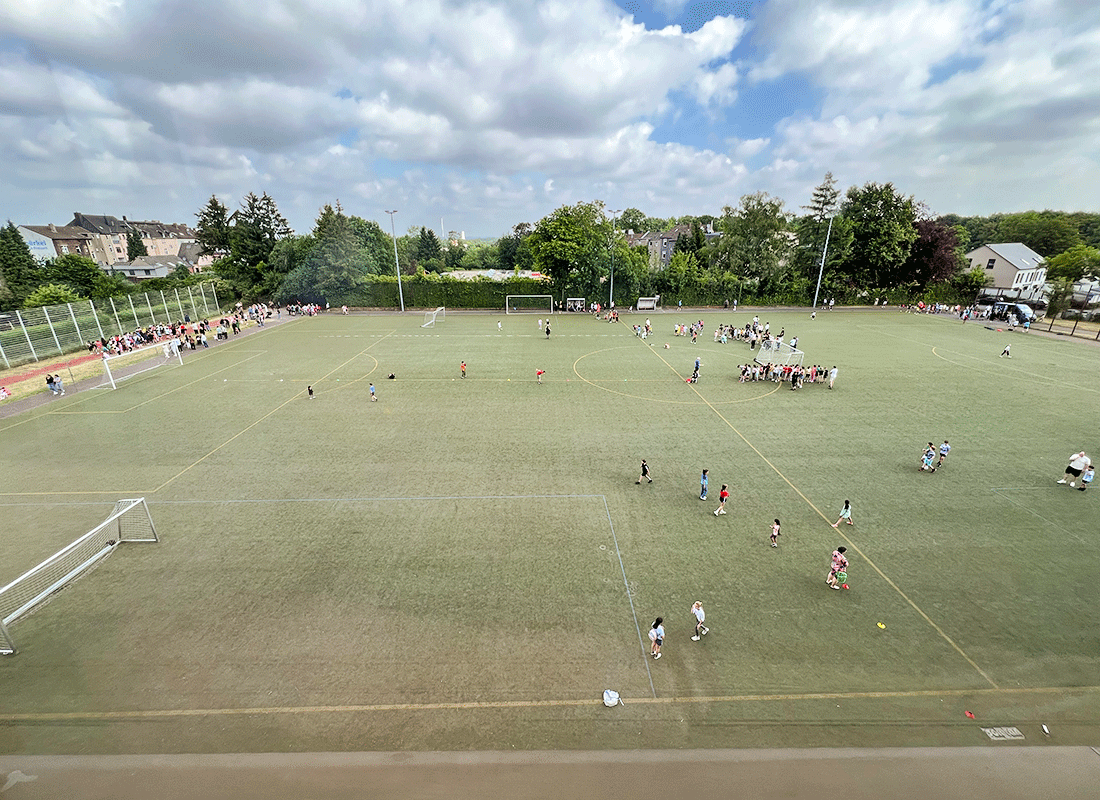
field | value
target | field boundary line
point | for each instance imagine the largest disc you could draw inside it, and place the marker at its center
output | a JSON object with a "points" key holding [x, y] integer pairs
{"points": [[333, 499], [852, 544], [279, 407], [64, 716], [1066, 531], [629, 597]]}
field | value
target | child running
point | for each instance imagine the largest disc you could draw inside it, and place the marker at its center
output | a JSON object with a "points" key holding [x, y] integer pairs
{"points": [[645, 473], [840, 564], [945, 448], [723, 496], [775, 533], [926, 459], [700, 616], [845, 514]]}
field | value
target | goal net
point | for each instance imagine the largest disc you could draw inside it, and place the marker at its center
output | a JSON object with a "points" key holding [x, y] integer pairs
{"points": [[432, 317], [134, 362], [529, 304], [129, 522], [784, 355]]}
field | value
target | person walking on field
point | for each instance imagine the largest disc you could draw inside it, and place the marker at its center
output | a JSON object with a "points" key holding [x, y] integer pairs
{"points": [[547, 328], [462, 368], [775, 533], [1078, 463], [703, 481], [373, 396], [645, 473], [1007, 351], [723, 496], [657, 637], [845, 514], [700, 617], [840, 564], [832, 377], [945, 448]]}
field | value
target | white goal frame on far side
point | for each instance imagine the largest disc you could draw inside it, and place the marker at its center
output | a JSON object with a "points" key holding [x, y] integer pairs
{"points": [[162, 352], [432, 317], [532, 309]]}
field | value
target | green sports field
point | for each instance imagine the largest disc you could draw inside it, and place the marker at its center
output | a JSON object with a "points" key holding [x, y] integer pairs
{"points": [[469, 563]]}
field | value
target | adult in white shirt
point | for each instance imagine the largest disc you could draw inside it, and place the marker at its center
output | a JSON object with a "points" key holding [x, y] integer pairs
{"points": [[1078, 462]]}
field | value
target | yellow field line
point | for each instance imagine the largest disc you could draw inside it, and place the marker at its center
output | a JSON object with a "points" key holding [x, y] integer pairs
{"points": [[168, 713], [850, 543], [243, 431]]}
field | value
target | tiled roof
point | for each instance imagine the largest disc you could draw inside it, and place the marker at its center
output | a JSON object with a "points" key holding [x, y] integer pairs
{"points": [[59, 231]]}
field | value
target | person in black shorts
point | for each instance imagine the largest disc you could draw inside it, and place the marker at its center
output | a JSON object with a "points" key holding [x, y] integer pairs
{"points": [[645, 473]]}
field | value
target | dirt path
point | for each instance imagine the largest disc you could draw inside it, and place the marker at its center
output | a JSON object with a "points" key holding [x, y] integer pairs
{"points": [[1006, 772]]}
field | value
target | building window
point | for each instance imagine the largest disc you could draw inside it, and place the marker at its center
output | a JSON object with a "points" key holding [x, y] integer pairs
{"points": [[64, 249], [989, 264]]}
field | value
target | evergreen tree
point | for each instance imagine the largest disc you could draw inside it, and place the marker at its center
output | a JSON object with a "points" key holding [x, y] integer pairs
{"points": [[19, 272], [135, 246], [337, 257], [213, 228]]}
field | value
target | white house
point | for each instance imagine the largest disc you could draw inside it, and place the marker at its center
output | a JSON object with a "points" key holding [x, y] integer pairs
{"points": [[1014, 270]]}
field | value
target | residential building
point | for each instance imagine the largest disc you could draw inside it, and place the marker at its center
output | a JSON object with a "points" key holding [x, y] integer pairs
{"points": [[191, 252], [63, 239], [162, 239], [108, 237], [662, 245], [1013, 270], [150, 267]]}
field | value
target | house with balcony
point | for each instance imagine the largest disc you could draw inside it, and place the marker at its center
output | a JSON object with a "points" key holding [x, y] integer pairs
{"points": [[1013, 270]]}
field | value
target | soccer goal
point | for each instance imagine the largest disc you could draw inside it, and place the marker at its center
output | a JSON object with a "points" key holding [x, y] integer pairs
{"points": [[783, 355], [529, 304], [432, 317], [129, 522], [119, 367]]}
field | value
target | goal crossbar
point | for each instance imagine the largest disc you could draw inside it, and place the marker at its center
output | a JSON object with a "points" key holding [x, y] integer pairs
{"points": [[784, 356], [528, 303], [148, 357], [432, 317], [129, 522]]}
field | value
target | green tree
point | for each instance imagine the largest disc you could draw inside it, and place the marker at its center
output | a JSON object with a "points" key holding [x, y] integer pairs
{"points": [[883, 231], [135, 246], [1059, 297], [814, 227], [212, 230], [339, 261], [50, 294], [377, 243], [111, 286], [933, 256], [631, 220], [692, 242], [1047, 233], [286, 256], [1075, 263], [78, 272], [19, 272], [755, 242], [513, 251], [969, 284], [453, 255], [257, 227], [570, 246]]}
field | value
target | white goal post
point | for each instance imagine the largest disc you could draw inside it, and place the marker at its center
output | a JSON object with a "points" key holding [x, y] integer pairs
{"points": [[783, 355], [129, 522], [528, 303], [120, 366], [432, 317]]}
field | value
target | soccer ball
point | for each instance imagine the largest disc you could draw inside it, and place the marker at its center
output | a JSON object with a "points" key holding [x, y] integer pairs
{"points": [[666, 346]]}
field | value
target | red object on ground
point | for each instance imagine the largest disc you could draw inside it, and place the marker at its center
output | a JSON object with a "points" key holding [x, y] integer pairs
{"points": [[970, 714], [845, 586]]}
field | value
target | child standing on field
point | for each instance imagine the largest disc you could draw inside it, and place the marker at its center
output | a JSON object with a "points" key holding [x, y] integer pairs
{"points": [[645, 473], [310, 390], [657, 637], [1086, 477], [700, 616], [845, 514], [723, 496], [775, 533], [462, 368], [703, 481], [373, 396]]}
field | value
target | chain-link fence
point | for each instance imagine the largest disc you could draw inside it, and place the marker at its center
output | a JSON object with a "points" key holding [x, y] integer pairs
{"points": [[37, 333]]}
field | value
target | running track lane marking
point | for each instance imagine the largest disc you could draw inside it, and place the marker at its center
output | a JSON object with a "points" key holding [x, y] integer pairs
{"points": [[851, 544], [626, 587], [168, 713], [279, 407]]}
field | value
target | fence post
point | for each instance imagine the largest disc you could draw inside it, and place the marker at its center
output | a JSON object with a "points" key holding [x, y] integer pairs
{"points": [[137, 319], [23, 325], [178, 303], [7, 364], [149, 303], [117, 320], [49, 322], [191, 300], [95, 316], [214, 292], [167, 313], [75, 323]]}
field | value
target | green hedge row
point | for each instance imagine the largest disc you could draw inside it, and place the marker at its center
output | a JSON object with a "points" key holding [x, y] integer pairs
{"points": [[432, 291]]}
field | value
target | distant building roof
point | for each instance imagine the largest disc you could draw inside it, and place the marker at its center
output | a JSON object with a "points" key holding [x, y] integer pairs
{"points": [[168, 262], [59, 231], [1019, 255], [100, 223], [155, 229]]}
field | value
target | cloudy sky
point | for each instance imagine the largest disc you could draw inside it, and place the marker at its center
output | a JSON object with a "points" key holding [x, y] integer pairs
{"points": [[489, 113]]}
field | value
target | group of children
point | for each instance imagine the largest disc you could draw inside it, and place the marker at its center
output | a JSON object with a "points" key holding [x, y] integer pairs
{"points": [[657, 629], [930, 454], [795, 374]]}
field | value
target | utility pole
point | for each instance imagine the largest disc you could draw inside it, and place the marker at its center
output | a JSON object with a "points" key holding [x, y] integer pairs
{"points": [[614, 212], [396, 263]]}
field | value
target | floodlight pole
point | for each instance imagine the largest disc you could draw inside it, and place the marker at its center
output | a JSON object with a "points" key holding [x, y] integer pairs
{"points": [[824, 251], [396, 263], [614, 212]]}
